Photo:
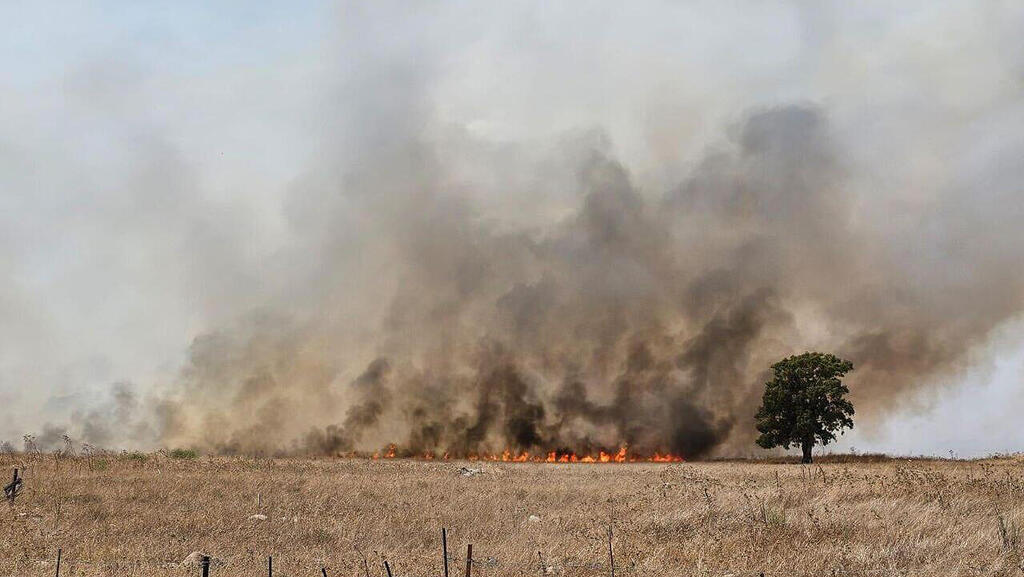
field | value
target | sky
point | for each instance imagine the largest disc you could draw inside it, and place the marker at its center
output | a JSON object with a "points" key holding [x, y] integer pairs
{"points": [[157, 158]]}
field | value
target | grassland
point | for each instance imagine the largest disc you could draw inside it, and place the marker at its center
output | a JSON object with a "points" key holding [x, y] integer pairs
{"points": [[135, 515]]}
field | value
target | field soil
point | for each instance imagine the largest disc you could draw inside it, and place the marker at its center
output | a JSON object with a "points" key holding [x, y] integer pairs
{"points": [[145, 515]]}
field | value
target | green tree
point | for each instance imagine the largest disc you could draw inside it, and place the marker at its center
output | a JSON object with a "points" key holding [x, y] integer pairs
{"points": [[805, 403]]}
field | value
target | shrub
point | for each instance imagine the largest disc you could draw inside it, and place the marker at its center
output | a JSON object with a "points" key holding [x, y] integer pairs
{"points": [[182, 454]]}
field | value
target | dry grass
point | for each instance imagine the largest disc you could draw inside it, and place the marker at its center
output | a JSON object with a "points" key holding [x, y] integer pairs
{"points": [[142, 515]]}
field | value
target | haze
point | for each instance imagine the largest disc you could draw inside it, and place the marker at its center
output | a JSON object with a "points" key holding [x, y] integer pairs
{"points": [[214, 219]]}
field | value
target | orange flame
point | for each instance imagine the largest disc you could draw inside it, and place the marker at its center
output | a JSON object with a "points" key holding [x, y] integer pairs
{"points": [[658, 458], [510, 456], [620, 457]]}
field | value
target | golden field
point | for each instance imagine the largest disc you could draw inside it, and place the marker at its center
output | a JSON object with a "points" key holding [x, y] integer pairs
{"points": [[141, 515]]}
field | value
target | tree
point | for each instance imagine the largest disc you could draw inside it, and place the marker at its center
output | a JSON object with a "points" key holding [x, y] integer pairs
{"points": [[804, 403]]}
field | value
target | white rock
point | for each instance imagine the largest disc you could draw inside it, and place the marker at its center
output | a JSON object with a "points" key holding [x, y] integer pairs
{"points": [[258, 517], [195, 559], [533, 519]]}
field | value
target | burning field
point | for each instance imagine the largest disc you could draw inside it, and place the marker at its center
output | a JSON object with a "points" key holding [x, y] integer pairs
{"points": [[154, 514], [508, 456], [622, 317], [429, 290], [524, 271]]}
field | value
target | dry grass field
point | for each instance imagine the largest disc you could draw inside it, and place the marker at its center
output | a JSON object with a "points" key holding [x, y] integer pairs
{"points": [[141, 515]]}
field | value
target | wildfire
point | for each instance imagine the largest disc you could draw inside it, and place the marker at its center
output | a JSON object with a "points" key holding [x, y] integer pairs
{"points": [[510, 456], [390, 454]]}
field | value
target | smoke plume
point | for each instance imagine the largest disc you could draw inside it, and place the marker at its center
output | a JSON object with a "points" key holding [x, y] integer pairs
{"points": [[639, 320], [460, 287]]}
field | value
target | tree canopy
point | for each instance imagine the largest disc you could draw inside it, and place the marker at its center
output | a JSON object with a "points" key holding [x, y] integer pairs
{"points": [[805, 403]]}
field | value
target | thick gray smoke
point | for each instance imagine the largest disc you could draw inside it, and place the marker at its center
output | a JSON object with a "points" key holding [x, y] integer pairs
{"points": [[639, 320], [459, 286]]}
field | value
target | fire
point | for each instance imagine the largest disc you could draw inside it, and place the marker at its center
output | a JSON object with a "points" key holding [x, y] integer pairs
{"points": [[390, 454], [510, 456], [658, 458], [620, 457]]}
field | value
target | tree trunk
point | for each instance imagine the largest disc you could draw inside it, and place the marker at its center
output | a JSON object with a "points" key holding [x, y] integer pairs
{"points": [[807, 446]]}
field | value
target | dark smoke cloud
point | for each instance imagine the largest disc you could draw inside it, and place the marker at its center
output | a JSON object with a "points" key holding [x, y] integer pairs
{"points": [[413, 276], [640, 319], [371, 397]]}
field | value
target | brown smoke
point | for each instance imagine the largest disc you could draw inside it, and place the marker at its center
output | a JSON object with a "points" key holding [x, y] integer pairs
{"points": [[470, 227], [638, 319]]}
